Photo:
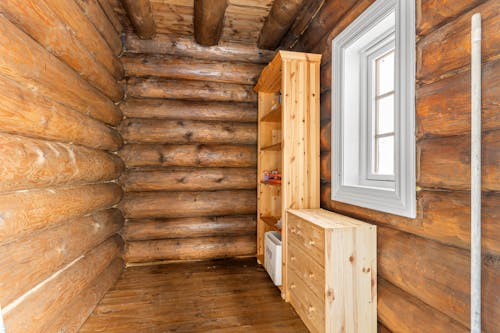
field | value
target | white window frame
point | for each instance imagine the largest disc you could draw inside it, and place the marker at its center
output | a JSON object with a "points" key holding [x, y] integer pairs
{"points": [[352, 181]]}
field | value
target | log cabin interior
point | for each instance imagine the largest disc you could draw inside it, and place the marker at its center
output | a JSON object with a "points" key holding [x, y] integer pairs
{"points": [[250, 166]]}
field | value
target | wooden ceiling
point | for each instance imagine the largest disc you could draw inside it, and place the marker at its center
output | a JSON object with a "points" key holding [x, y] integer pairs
{"points": [[267, 24]]}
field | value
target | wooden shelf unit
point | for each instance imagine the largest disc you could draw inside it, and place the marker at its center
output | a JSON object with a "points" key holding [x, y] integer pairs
{"points": [[288, 140]]}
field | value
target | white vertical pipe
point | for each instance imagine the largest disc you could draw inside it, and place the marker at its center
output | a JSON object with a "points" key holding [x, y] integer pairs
{"points": [[475, 315]]}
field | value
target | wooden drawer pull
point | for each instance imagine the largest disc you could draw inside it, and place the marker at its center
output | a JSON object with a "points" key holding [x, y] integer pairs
{"points": [[292, 258], [311, 242], [310, 308], [292, 286], [311, 275]]}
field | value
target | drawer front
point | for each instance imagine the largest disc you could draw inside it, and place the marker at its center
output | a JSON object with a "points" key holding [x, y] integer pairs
{"points": [[308, 305], [307, 269], [308, 237]]}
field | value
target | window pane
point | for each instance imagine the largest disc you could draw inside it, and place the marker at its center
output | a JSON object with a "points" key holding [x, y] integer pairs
{"points": [[385, 155], [385, 116], [385, 73]]}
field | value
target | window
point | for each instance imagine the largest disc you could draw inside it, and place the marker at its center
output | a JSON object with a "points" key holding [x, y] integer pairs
{"points": [[373, 109]]}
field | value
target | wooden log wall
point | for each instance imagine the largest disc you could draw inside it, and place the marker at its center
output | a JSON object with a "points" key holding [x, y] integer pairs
{"points": [[59, 81], [190, 149], [424, 262]]}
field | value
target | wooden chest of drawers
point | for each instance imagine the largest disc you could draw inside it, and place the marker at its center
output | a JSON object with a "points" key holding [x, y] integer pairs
{"points": [[331, 269]]}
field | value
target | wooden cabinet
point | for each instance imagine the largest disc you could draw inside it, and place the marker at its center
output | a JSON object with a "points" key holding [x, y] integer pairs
{"points": [[332, 271], [288, 140]]}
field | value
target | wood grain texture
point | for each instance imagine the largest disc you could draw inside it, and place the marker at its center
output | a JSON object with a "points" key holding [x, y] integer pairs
{"points": [[189, 248], [114, 8], [187, 47], [32, 163], [39, 309], [282, 15], [26, 112], [438, 157], [38, 20], [309, 11], [418, 317], [72, 15], [96, 14], [433, 14], [187, 131], [443, 216], [21, 268], [74, 315], [189, 179], [208, 21], [192, 69], [189, 90], [229, 296], [447, 50], [188, 227], [442, 269], [21, 63], [325, 136], [189, 110], [188, 204], [140, 13], [23, 212], [142, 155], [331, 12], [438, 116]]}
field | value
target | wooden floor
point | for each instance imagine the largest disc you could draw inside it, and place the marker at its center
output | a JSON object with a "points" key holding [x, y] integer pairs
{"points": [[210, 296]]}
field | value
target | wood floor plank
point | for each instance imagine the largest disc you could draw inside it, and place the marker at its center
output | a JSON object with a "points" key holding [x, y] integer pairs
{"points": [[220, 296]]}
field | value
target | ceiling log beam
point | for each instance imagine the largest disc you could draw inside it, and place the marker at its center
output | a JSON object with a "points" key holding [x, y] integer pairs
{"points": [[208, 21], [278, 22], [141, 16]]}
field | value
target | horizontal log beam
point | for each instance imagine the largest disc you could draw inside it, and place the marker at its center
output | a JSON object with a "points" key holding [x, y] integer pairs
{"points": [[325, 136], [22, 62], [40, 22], [192, 69], [188, 204], [429, 18], [23, 110], [305, 16], [325, 166], [190, 90], [326, 106], [140, 14], [96, 14], [143, 155], [23, 212], [447, 50], [438, 275], [443, 107], [442, 216], [32, 163], [112, 8], [187, 131], [445, 162], [40, 307], [208, 21], [189, 179], [73, 316], [21, 268], [190, 249], [325, 80], [187, 47], [71, 14], [417, 317], [189, 110], [279, 20], [189, 227], [331, 13]]}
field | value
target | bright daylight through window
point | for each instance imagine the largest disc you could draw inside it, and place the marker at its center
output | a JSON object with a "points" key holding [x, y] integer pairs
{"points": [[373, 109]]}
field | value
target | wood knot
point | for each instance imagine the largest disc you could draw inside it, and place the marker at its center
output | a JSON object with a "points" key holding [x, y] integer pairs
{"points": [[351, 258]]}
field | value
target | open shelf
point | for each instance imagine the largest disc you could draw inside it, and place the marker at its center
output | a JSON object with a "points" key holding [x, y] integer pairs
{"points": [[269, 183], [273, 116], [271, 221], [275, 147]]}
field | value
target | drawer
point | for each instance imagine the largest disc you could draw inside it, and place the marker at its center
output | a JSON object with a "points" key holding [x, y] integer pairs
{"points": [[308, 237], [307, 269], [310, 307]]}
